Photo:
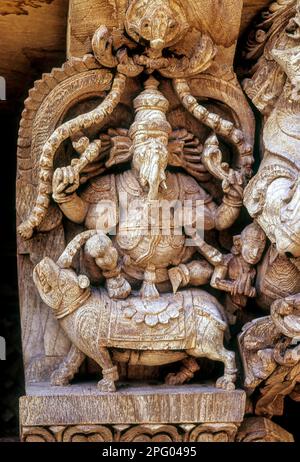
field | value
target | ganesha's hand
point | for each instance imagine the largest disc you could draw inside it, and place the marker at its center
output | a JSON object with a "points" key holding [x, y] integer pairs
{"points": [[185, 151], [66, 181]]}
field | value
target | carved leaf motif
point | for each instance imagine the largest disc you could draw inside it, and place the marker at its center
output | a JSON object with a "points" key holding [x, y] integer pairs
{"points": [[214, 433], [37, 435], [151, 433], [279, 385], [87, 434], [259, 430]]}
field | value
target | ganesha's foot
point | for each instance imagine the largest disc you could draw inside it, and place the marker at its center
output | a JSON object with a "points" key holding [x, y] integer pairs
{"points": [[118, 288], [227, 382], [60, 378], [186, 373], [148, 290]]}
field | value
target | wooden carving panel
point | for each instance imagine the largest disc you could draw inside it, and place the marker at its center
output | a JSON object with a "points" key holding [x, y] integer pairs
{"points": [[135, 172]]}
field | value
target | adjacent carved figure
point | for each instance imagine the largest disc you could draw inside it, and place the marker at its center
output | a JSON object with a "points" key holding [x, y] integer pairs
{"points": [[246, 252], [270, 354], [272, 196], [270, 346]]}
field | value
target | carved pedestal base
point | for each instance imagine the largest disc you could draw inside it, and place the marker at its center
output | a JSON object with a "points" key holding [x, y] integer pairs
{"points": [[137, 413]]}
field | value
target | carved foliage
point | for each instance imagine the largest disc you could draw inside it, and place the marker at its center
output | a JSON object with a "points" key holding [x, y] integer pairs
{"points": [[261, 430]]}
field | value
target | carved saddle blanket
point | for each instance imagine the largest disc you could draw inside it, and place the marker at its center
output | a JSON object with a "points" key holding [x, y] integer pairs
{"points": [[151, 325]]}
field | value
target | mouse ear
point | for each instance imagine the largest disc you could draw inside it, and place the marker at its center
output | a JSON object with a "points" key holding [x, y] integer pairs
{"points": [[83, 281], [237, 239]]}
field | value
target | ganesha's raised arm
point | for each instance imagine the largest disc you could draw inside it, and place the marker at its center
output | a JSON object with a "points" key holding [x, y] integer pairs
{"points": [[66, 180], [62, 133]]}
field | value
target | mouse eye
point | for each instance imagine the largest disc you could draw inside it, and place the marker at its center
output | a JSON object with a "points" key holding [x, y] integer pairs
{"points": [[289, 255]]}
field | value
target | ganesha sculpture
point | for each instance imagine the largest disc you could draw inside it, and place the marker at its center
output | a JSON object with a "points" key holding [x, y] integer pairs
{"points": [[143, 194], [139, 259]]}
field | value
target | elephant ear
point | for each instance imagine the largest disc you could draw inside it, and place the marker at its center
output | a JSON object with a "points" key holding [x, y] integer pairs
{"points": [[220, 19], [47, 106]]}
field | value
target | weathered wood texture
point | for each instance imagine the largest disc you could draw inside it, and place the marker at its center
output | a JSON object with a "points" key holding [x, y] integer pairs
{"points": [[133, 404], [141, 414]]}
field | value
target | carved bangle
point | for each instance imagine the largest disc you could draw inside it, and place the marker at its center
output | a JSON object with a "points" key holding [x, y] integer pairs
{"points": [[111, 374], [63, 200], [231, 202]]}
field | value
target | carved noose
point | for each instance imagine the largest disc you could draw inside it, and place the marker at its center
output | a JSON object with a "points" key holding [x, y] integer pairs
{"points": [[219, 125], [62, 133]]}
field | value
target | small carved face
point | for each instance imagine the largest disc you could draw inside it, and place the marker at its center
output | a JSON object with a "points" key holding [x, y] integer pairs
{"points": [[57, 287], [252, 251], [285, 316], [150, 160], [253, 242]]}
